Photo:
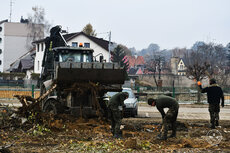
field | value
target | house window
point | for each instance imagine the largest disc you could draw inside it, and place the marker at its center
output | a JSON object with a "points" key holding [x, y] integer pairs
{"points": [[0, 62], [0, 51], [0, 29], [87, 45], [42, 47], [74, 44], [38, 65], [181, 67], [37, 47], [0, 40]]}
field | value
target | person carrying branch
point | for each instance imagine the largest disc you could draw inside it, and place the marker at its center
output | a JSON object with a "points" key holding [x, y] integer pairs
{"points": [[214, 94], [170, 117]]}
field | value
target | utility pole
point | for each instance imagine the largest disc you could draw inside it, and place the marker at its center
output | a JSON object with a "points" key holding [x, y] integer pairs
{"points": [[109, 47]]}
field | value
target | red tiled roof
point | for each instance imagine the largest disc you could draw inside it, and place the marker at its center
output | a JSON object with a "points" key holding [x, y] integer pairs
{"points": [[140, 60], [131, 61], [136, 61], [139, 71]]}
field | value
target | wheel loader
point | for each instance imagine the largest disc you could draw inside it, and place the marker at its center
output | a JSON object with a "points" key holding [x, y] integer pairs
{"points": [[78, 82]]}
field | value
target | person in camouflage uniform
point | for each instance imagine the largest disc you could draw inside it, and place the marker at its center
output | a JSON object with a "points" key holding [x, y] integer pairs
{"points": [[214, 94], [115, 107], [169, 118]]}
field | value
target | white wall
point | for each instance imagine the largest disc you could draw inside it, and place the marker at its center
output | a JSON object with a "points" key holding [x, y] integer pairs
{"points": [[14, 42], [2, 47], [97, 49], [14, 47], [39, 58]]}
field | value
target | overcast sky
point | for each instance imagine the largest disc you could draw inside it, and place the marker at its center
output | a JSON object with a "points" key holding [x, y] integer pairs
{"points": [[136, 23]]}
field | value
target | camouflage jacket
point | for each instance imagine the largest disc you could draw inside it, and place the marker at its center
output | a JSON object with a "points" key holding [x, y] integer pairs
{"points": [[117, 100], [166, 102]]}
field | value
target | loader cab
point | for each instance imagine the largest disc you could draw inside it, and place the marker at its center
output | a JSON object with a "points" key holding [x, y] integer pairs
{"points": [[72, 54], [64, 55]]}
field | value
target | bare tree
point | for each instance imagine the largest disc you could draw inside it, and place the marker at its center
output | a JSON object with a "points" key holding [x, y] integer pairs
{"points": [[197, 66], [178, 52], [155, 64], [37, 25], [204, 61], [218, 65]]}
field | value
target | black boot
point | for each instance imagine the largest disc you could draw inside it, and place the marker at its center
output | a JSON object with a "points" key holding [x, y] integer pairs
{"points": [[217, 123], [173, 135], [162, 137], [212, 126], [117, 136]]}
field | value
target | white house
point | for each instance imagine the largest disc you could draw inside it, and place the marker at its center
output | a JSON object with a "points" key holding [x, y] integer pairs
{"points": [[181, 67], [13, 42], [178, 66], [100, 47]]}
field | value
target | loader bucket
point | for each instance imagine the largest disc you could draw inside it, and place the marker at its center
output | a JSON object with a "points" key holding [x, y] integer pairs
{"points": [[104, 73]]}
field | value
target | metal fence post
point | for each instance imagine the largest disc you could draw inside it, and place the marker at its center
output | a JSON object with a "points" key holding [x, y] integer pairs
{"points": [[32, 91], [138, 91], [173, 90]]}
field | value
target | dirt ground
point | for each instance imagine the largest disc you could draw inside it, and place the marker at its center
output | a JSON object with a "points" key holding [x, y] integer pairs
{"points": [[65, 134]]}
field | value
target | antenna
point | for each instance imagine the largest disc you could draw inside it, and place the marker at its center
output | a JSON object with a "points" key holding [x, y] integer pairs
{"points": [[11, 6]]}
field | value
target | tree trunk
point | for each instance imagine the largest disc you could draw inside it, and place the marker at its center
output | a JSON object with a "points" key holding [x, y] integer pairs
{"points": [[155, 80], [198, 96], [159, 82]]}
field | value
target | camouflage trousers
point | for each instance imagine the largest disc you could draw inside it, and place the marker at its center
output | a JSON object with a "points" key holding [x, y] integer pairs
{"points": [[115, 117], [214, 110], [170, 121]]}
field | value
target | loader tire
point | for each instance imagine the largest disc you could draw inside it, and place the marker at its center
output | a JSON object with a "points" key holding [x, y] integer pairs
{"points": [[53, 107]]}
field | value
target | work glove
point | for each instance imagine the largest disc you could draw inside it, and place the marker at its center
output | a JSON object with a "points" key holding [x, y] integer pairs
{"points": [[199, 83]]}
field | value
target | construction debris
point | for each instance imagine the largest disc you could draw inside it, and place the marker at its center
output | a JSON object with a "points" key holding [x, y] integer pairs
{"points": [[30, 104]]}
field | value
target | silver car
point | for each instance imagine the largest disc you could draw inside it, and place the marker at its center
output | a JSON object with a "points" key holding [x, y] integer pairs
{"points": [[130, 103]]}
